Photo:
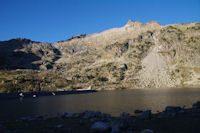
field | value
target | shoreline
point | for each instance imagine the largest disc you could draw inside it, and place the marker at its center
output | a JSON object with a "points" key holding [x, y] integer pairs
{"points": [[173, 119], [16, 95]]}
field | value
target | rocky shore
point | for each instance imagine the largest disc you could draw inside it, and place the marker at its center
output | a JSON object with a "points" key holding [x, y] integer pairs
{"points": [[173, 119]]}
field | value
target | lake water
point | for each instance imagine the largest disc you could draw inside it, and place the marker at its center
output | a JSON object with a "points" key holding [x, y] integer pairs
{"points": [[112, 102]]}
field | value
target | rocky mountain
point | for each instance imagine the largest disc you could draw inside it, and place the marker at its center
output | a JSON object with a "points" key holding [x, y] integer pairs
{"points": [[134, 56]]}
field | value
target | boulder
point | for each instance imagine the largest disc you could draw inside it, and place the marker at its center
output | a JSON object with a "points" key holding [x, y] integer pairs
{"points": [[64, 115], [105, 115], [182, 111], [145, 115], [69, 115], [173, 109], [173, 114], [147, 131], [162, 115], [124, 115], [59, 126], [123, 124], [196, 105], [76, 115], [115, 128], [138, 111], [90, 114], [93, 119], [99, 127]]}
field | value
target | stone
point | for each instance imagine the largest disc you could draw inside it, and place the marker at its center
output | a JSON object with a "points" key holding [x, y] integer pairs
{"points": [[144, 115], [64, 115], [99, 127], [69, 115], [105, 115], [76, 115], [87, 114], [173, 114], [196, 105], [115, 129], [90, 114], [59, 126], [147, 131], [173, 109], [161, 115], [116, 126], [93, 119], [123, 124], [182, 111], [138, 111], [124, 115]]}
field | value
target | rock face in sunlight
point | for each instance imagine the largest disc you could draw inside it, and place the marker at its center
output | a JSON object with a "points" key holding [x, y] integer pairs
{"points": [[134, 56]]}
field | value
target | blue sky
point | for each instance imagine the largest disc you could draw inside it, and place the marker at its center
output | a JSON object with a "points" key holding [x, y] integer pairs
{"points": [[55, 20]]}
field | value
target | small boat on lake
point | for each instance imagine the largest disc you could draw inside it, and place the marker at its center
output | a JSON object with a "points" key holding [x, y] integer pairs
{"points": [[86, 89]]}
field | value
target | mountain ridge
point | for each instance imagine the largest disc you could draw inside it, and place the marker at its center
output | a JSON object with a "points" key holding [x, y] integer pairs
{"points": [[135, 55]]}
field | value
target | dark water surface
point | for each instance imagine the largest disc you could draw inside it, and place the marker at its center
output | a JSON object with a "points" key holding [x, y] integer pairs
{"points": [[113, 102]]}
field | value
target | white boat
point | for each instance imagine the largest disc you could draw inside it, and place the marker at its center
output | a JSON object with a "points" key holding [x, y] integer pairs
{"points": [[89, 88]]}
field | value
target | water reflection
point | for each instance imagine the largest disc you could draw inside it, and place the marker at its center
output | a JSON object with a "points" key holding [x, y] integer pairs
{"points": [[113, 102]]}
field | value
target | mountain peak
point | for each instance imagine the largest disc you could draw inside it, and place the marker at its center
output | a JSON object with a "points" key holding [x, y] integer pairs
{"points": [[152, 23], [130, 22]]}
